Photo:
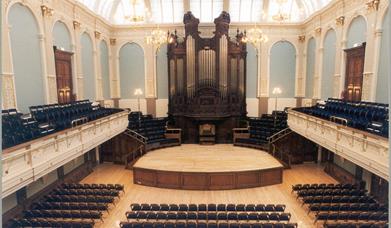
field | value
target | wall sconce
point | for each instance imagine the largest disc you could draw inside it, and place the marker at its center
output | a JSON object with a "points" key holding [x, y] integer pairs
{"points": [[46, 11], [76, 24], [340, 20], [113, 41], [97, 35], [302, 38], [373, 5], [276, 91]]}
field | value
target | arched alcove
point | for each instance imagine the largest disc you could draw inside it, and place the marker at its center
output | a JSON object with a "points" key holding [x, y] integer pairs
{"points": [[283, 68], [132, 71], [310, 68], [383, 76], [328, 70], [357, 32], [62, 37], [105, 70], [162, 72], [26, 57], [88, 66]]}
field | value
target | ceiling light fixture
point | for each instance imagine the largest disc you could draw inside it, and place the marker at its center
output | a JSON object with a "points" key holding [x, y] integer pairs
{"points": [[281, 16], [136, 15]]}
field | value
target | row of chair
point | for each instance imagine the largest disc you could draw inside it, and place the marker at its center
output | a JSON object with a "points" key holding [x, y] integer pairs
{"points": [[64, 214], [355, 225], [348, 207], [210, 216], [41, 222], [355, 216], [298, 187], [367, 116], [208, 207], [69, 206], [261, 128], [80, 198], [204, 225], [331, 192], [153, 129], [338, 199], [96, 192], [119, 187]]}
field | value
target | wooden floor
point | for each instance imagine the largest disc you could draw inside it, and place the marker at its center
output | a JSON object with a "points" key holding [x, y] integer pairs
{"points": [[281, 193], [211, 158]]}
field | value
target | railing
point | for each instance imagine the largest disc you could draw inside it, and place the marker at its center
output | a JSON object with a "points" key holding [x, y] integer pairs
{"points": [[272, 147], [27, 162], [362, 148], [277, 136], [136, 136]]}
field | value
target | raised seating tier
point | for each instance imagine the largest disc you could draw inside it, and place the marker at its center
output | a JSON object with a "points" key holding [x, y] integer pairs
{"points": [[43, 120], [260, 129], [153, 129], [367, 116]]}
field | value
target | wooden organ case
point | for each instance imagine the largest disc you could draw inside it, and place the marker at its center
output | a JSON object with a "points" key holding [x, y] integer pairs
{"points": [[207, 79]]}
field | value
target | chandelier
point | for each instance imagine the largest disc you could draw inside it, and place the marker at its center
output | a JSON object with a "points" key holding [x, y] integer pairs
{"points": [[281, 16], [255, 36], [157, 37], [136, 15]]}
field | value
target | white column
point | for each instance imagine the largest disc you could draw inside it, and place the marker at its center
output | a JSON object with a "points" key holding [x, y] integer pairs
{"points": [[78, 66], [51, 82], [8, 92], [42, 46], [97, 70], [369, 58], [339, 62], [318, 73], [376, 62]]}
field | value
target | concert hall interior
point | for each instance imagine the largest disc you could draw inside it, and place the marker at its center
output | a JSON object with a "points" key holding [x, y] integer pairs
{"points": [[195, 113]]}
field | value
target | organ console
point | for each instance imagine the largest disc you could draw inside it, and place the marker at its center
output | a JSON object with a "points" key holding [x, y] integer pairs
{"points": [[207, 78]]}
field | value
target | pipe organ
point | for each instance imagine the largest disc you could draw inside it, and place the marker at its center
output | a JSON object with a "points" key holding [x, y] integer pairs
{"points": [[207, 79]]}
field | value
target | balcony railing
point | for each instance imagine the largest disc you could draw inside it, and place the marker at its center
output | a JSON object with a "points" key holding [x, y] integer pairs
{"points": [[367, 150], [27, 162]]}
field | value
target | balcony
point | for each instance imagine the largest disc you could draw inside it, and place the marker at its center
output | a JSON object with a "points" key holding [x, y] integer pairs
{"points": [[27, 162], [367, 150]]}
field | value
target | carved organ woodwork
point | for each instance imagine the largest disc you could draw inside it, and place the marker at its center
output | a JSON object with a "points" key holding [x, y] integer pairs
{"points": [[206, 76]]}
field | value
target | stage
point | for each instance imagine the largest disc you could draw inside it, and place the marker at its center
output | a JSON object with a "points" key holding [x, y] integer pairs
{"points": [[215, 167]]}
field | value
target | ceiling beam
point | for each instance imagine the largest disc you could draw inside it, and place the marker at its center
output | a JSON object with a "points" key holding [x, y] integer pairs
{"points": [[186, 5], [265, 10], [226, 5]]}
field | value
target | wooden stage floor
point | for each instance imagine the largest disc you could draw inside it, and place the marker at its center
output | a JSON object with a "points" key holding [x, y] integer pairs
{"points": [[208, 158], [212, 167], [280, 193]]}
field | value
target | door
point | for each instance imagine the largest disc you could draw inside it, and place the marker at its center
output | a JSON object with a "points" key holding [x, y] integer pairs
{"points": [[354, 73], [63, 62]]}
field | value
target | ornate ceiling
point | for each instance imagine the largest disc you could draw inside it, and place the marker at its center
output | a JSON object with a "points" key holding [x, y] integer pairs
{"points": [[122, 12]]}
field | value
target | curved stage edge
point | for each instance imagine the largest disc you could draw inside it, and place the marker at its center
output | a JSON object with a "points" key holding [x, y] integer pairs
{"points": [[207, 180]]}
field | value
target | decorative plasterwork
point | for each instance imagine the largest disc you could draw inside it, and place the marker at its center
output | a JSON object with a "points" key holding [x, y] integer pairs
{"points": [[76, 24], [340, 21], [7, 91], [97, 35], [373, 5], [46, 11], [318, 31], [113, 41], [301, 38]]}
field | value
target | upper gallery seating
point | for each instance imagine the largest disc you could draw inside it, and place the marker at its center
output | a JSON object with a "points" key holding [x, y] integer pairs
{"points": [[71, 205], [367, 116], [46, 119], [261, 128], [208, 215], [342, 205], [153, 129]]}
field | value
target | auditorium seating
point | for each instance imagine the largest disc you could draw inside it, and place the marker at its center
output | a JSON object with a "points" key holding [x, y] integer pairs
{"points": [[341, 203], [261, 128], [153, 129], [367, 116], [208, 215], [71, 205], [42, 120]]}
